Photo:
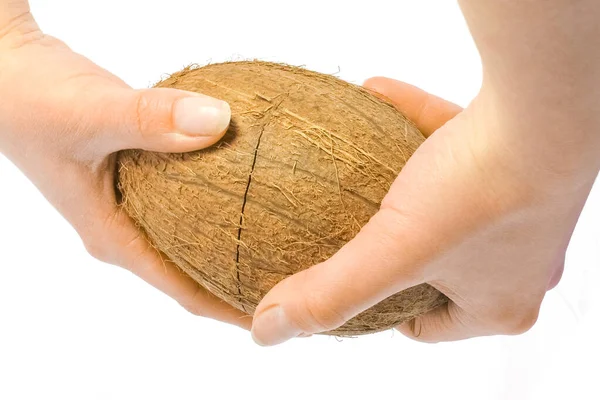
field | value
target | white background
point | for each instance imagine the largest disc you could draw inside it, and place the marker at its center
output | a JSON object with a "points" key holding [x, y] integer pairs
{"points": [[73, 328]]}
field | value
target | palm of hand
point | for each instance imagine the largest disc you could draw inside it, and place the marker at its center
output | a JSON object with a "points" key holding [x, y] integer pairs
{"points": [[455, 218], [66, 120], [490, 242], [464, 215]]}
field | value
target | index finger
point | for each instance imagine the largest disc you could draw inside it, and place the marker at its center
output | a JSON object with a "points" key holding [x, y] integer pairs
{"points": [[428, 112]]}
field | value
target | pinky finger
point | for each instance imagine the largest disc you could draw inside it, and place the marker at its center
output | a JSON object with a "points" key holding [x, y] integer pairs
{"points": [[443, 324], [133, 252]]}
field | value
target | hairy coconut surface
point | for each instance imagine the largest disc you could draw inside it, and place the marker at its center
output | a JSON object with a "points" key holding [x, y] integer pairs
{"points": [[305, 164]]}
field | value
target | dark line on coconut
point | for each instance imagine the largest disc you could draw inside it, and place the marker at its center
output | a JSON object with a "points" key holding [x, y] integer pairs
{"points": [[239, 237], [266, 117]]}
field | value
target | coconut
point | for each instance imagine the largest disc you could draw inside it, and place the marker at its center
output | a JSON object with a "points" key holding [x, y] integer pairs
{"points": [[304, 165]]}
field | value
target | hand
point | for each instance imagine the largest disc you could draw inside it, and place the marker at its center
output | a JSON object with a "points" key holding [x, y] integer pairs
{"points": [[62, 119], [473, 213]]}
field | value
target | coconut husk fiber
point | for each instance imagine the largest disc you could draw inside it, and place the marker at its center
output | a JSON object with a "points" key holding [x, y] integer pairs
{"points": [[305, 164]]}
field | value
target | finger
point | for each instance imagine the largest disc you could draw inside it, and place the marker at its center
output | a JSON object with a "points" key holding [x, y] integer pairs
{"points": [[164, 120], [139, 257], [364, 272], [443, 324], [428, 112], [451, 322], [558, 273], [115, 239], [155, 268]]}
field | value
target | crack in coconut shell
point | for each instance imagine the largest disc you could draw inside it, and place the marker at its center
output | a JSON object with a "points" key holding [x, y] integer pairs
{"points": [[265, 121], [288, 185]]}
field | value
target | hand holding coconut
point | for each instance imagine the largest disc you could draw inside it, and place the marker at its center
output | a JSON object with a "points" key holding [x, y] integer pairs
{"points": [[481, 213], [63, 118], [485, 208], [455, 218]]}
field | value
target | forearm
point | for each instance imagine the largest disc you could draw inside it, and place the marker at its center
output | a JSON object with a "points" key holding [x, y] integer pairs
{"points": [[541, 60]]}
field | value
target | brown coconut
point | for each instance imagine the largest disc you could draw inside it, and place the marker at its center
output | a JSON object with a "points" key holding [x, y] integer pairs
{"points": [[305, 164]]}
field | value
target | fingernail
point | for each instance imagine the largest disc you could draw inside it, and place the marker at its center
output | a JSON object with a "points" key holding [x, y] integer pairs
{"points": [[272, 327], [201, 115]]}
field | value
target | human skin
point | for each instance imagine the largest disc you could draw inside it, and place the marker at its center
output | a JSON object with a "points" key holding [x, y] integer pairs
{"points": [[483, 211], [63, 118], [485, 208]]}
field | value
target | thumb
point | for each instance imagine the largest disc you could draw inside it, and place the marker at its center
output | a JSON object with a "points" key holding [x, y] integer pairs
{"points": [[164, 120], [363, 273]]}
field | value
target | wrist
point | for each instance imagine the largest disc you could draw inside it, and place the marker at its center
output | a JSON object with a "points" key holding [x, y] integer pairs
{"points": [[541, 67], [553, 148]]}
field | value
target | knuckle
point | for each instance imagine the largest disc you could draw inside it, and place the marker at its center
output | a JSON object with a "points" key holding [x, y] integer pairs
{"points": [[516, 322], [386, 227], [425, 329], [143, 107], [96, 241], [423, 109], [192, 305], [192, 309], [150, 113], [109, 241], [318, 315], [98, 249], [414, 329], [523, 323], [94, 238], [317, 309], [19, 31]]}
